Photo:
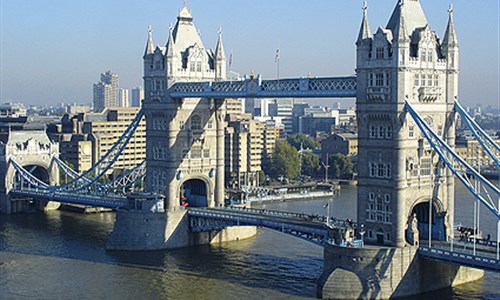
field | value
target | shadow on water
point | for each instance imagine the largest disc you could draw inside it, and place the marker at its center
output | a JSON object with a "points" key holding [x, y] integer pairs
{"points": [[77, 237]]}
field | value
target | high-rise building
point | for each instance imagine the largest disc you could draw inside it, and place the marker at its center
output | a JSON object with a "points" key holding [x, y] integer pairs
{"points": [[106, 91], [87, 137], [124, 98], [137, 96]]}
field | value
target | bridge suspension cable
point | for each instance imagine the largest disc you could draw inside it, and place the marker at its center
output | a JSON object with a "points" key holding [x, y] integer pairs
{"points": [[89, 178], [448, 156], [486, 142]]}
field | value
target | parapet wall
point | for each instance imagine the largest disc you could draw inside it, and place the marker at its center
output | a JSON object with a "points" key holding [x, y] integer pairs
{"points": [[383, 273]]}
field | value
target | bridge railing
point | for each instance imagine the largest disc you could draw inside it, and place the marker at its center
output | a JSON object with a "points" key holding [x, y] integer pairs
{"points": [[482, 262]]}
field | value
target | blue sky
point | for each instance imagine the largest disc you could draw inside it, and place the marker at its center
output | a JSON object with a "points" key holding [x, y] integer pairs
{"points": [[54, 50]]}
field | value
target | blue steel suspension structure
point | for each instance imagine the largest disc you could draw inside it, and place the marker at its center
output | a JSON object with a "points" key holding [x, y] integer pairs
{"points": [[482, 137], [85, 188], [448, 157]]}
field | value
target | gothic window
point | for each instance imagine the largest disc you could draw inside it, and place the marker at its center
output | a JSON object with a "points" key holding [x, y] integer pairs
{"points": [[422, 79], [423, 55], [206, 153], [387, 78], [196, 151], [429, 80], [430, 57], [411, 131], [198, 66], [191, 67], [436, 80], [371, 196], [182, 125], [196, 122], [417, 80], [440, 130], [388, 133], [381, 170], [381, 132], [370, 79], [379, 79], [380, 204], [425, 167], [373, 131], [379, 53], [373, 169], [210, 124]]}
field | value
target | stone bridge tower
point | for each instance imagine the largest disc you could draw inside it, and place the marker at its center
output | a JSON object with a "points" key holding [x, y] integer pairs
{"points": [[32, 150], [184, 137], [398, 171]]}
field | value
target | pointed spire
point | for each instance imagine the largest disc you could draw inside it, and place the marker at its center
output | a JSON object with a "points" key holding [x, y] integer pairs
{"points": [[149, 45], [170, 43], [450, 36], [400, 32], [185, 13], [364, 31], [219, 49]]}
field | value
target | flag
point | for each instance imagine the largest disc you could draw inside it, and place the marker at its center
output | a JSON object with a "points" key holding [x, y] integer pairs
{"points": [[231, 58], [277, 57], [326, 205]]}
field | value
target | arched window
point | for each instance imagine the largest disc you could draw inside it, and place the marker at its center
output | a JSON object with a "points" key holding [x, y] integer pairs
{"points": [[196, 122]]}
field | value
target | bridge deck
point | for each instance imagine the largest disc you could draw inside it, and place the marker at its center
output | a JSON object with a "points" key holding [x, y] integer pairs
{"points": [[482, 260], [300, 225]]}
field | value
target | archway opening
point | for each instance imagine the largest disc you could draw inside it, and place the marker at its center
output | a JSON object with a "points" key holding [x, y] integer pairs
{"points": [[37, 171], [421, 211], [193, 193]]}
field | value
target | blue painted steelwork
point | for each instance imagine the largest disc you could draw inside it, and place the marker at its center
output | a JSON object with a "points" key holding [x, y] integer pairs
{"points": [[482, 137], [106, 161], [462, 259], [335, 87], [206, 219], [26, 175], [128, 178], [442, 149], [94, 200]]}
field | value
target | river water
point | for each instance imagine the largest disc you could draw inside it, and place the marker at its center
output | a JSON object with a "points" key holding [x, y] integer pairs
{"points": [[61, 255]]}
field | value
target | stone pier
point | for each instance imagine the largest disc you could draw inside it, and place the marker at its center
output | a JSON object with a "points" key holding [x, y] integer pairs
{"points": [[386, 273]]}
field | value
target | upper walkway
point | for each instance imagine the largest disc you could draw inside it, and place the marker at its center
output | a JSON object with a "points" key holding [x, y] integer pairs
{"points": [[334, 87]]}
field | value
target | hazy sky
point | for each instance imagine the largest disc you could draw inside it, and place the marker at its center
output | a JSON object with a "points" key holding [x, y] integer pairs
{"points": [[54, 50]]}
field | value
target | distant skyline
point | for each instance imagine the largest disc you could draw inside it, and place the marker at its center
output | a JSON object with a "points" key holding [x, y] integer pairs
{"points": [[54, 51]]}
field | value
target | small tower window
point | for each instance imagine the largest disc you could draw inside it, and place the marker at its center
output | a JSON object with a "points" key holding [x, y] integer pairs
{"points": [[191, 67], [436, 80], [417, 80], [196, 122], [379, 79], [423, 55], [379, 53], [423, 78], [198, 66], [430, 57]]}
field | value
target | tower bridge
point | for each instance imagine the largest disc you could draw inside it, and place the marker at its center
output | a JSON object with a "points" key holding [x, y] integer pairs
{"points": [[405, 87]]}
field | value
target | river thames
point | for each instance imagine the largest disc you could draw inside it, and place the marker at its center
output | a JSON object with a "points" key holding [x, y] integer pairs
{"points": [[61, 255]]}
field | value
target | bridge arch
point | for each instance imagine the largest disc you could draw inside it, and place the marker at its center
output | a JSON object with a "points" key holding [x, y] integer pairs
{"points": [[438, 218], [196, 191]]}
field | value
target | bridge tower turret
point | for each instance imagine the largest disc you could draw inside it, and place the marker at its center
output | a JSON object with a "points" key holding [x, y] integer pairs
{"points": [[398, 171]]}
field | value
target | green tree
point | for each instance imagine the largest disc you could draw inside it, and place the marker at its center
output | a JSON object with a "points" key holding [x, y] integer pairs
{"points": [[310, 164], [340, 166], [307, 141], [285, 160]]}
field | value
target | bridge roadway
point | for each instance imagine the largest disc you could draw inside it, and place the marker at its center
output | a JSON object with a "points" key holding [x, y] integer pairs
{"points": [[483, 259], [312, 228], [112, 201]]}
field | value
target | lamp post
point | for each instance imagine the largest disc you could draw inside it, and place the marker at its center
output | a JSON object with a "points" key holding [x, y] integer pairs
{"points": [[362, 232]]}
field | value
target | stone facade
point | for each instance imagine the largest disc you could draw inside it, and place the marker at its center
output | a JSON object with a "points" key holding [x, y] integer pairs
{"points": [[31, 149], [397, 168], [184, 137]]}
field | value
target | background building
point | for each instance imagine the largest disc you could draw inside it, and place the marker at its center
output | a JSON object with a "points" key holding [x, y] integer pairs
{"points": [[137, 95], [124, 98], [106, 91]]}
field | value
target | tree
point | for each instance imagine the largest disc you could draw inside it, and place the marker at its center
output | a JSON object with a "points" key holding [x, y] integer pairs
{"points": [[310, 164], [307, 141], [285, 160], [340, 166]]}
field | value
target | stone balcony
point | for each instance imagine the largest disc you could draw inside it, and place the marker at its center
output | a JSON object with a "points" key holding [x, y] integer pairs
{"points": [[429, 94]]}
